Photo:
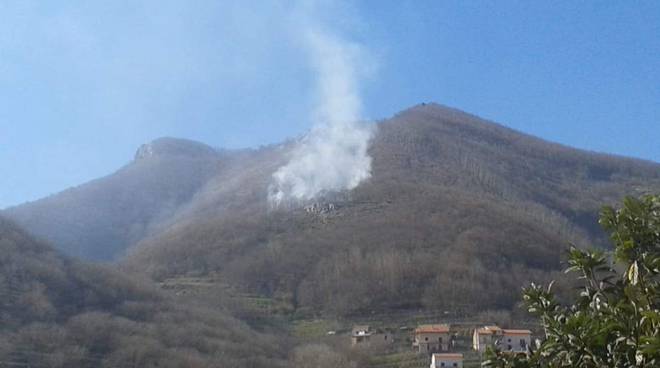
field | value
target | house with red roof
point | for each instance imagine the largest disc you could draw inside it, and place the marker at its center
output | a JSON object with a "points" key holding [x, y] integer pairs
{"points": [[432, 338], [447, 360], [508, 340]]}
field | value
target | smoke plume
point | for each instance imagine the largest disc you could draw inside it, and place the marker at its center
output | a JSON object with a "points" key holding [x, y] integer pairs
{"points": [[333, 155]]}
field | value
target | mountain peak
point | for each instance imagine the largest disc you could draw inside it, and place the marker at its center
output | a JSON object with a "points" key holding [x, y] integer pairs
{"points": [[442, 113], [167, 146]]}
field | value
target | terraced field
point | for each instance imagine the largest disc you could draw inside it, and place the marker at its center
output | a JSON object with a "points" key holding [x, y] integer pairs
{"points": [[336, 332]]}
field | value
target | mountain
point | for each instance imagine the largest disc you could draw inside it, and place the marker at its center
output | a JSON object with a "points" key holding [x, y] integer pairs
{"points": [[98, 220], [59, 312], [459, 212]]}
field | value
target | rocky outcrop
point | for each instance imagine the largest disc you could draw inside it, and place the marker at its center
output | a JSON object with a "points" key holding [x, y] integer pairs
{"points": [[174, 147]]}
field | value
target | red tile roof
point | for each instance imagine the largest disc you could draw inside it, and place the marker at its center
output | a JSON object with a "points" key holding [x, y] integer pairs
{"points": [[432, 329], [448, 356], [490, 330], [517, 332]]}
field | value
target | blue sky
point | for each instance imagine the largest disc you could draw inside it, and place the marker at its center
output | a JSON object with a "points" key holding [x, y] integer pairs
{"points": [[83, 84]]}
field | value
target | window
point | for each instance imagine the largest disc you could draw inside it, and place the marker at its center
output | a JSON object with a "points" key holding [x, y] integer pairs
{"points": [[442, 364], [426, 339], [455, 365], [509, 340], [523, 343], [440, 340], [510, 347]]}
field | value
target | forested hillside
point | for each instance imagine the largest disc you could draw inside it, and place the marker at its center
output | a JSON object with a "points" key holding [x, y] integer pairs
{"points": [[57, 312], [458, 211]]}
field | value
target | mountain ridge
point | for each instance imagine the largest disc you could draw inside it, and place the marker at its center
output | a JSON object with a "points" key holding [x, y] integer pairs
{"points": [[426, 146], [120, 208], [169, 146], [482, 199]]}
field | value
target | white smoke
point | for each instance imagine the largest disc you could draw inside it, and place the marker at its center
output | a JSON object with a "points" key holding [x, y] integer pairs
{"points": [[333, 156]]}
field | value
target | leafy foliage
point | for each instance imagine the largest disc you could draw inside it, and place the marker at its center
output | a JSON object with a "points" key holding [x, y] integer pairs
{"points": [[615, 319]]}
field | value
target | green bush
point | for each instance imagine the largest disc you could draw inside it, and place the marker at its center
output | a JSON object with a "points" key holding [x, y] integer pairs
{"points": [[614, 321]]}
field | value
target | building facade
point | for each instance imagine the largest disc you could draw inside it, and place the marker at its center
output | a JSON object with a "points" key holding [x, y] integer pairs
{"points": [[445, 360], [363, 335], [510, 340], [432, 338], [360, 335]]}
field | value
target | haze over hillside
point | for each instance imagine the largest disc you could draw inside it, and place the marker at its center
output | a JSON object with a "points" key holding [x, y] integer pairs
{"points": [[454, 203], [59, 312], [270, 184], [99, 219]]}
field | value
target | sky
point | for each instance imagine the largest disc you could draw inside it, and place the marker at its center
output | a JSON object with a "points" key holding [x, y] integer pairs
{"points": [[83, 84]]}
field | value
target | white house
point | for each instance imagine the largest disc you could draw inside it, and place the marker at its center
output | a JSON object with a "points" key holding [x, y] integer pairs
{"points": [[516, 341], [363, 335], [360, 334], [447, 360], [432, 338]]}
